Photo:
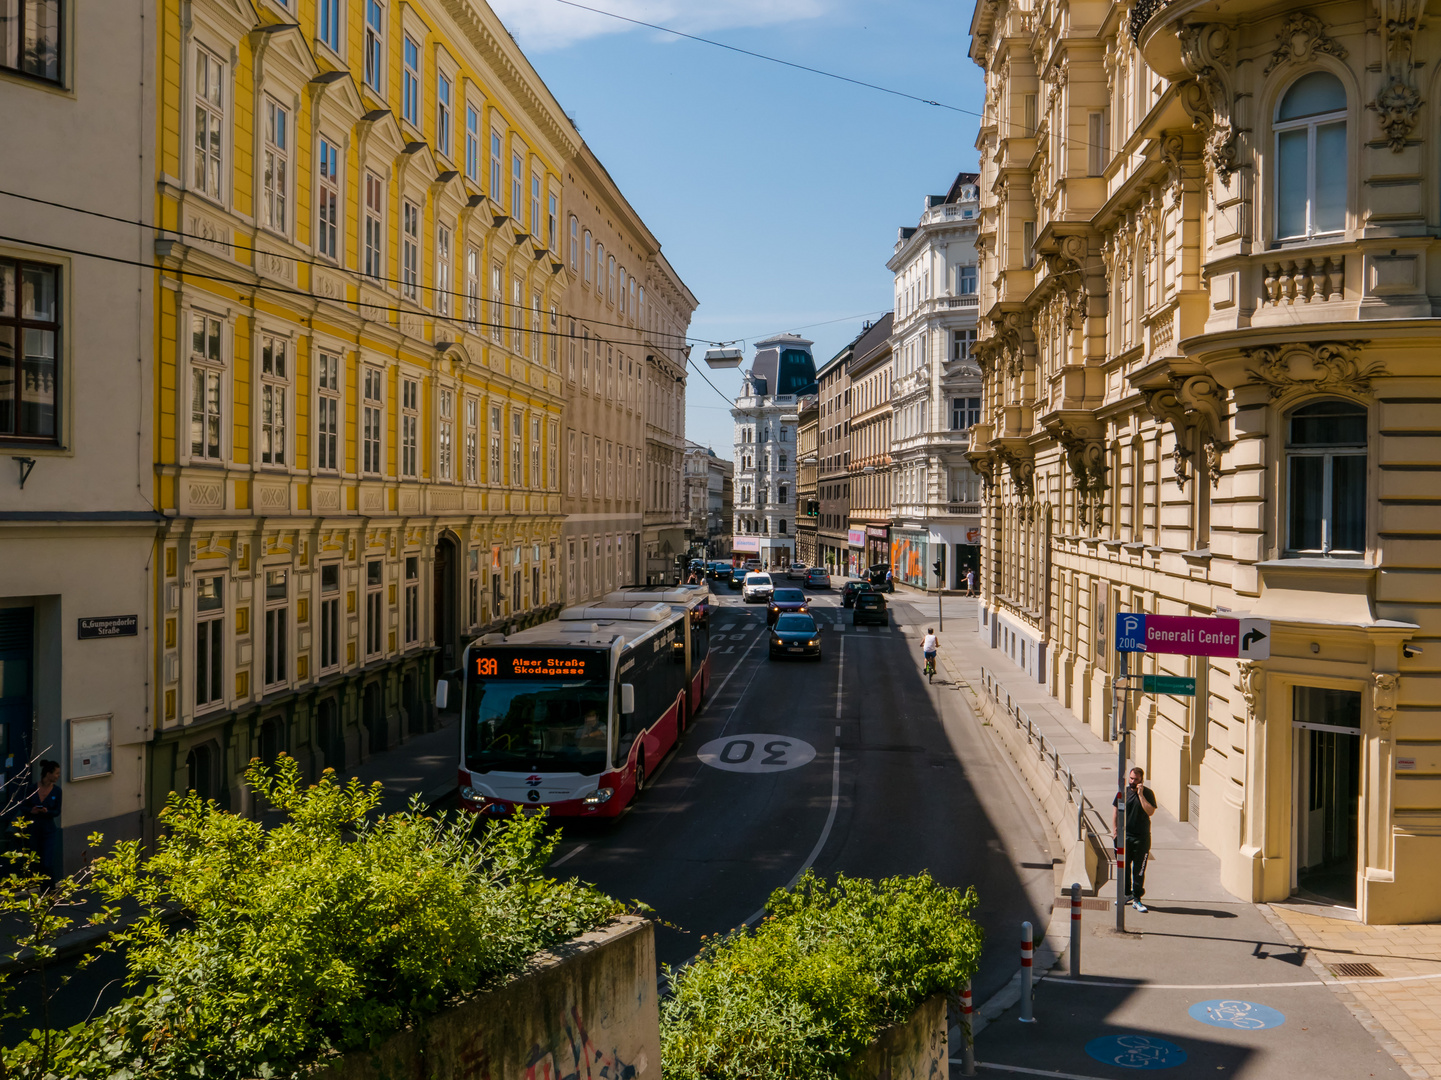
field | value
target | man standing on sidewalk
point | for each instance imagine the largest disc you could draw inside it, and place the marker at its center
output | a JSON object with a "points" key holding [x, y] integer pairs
{"points": [[1140, 805]]}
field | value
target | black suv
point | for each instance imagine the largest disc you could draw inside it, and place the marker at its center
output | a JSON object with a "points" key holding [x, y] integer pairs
{"points": [[870, 608], [852, 589]]}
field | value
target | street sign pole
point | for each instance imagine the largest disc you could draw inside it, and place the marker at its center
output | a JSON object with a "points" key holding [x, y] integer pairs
{"points": [[1118, 721]]}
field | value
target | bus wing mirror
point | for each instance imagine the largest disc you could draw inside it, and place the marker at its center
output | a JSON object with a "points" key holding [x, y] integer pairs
{"points": [[442, 694], [627, 699]]}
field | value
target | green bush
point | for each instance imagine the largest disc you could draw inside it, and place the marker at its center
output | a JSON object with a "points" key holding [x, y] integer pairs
{"points": [[322, 934], [811, 986]]}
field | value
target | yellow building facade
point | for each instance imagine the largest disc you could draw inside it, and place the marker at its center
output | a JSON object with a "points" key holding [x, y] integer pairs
{"points": [[358, 391]]}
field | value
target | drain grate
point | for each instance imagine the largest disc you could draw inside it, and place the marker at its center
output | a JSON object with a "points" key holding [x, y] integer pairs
{"points": [[1354, 971]]}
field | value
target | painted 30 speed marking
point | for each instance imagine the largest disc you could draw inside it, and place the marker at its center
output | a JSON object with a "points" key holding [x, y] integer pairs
{"points": [[756, 753]]}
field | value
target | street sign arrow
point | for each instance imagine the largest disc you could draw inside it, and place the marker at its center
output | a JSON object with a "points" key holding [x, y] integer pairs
{"points": [[1255, 639]]}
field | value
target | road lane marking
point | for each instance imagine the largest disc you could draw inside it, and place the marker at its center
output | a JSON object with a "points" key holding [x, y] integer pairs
{"points": [[1062, 980], [569, 855], [756, 753], [1028, 1072]]}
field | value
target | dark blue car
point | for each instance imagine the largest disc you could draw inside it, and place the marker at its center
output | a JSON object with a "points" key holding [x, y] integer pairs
{"points": [[795, 635]]}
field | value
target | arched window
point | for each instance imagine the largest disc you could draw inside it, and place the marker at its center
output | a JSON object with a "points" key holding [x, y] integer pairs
{"points": [[1326, 479], [199, 772], [1311, 157]]}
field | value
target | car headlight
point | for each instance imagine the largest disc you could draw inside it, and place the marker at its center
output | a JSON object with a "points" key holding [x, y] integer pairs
{"points": [[814, 641], [599, 795], [469, 794]]}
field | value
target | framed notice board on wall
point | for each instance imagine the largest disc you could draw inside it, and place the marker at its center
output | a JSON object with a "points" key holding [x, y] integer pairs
{"points": [[90, 749]]}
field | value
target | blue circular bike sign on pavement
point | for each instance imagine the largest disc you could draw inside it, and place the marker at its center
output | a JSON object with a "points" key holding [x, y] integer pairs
{"points": [[1136, 1052], [1237, 1015]]}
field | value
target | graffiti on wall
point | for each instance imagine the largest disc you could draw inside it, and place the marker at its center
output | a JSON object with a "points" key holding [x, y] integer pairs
{"points": [[574, 1055]]}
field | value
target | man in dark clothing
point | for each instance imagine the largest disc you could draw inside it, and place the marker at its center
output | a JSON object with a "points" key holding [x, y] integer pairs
{"points": [[1140, 805]]}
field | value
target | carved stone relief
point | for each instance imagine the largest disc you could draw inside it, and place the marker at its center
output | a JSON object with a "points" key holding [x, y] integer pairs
{"points": [[1302, 38], [1324, 367], [1252, 685], [1383, 698], [1399, 100], [1206, 54]]}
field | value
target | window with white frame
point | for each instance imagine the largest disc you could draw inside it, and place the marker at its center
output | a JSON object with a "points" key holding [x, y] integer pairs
{"points": [[274, 385], [209, 123], [534, 350], [517, 186], [412, 599], [445, 433], [631, 307], [585, 359], [517, 315], [570, 463], [276, 166], [497, 312], [374, 46], [472, 440], [585, 466], [574, 244], [409, 427], [599, 270], [553, 339], [327, 23], [374, 607], [588, 261], [409, 250], [609, 372], [572, 350], [209, 642], [31, 37], [962, 342], [496, 476], [207, 376], [442, 113], [596, 465], [965, 281], [610, 279], [472, 287], [374, 227], [534, 204], [442, 271], [410, 82], [517, 433], [495, 148], [609, 469], [372, 420], [472, 144], [327, 205], [329, 616], [965, 413], [552, 452], [1326, 443], [277, 627], [552, 208], [535, 479], [622, 289], [1311, 157], [327, 411]]}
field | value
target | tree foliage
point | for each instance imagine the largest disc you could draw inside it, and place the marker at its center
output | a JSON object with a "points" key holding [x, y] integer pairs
{"points": [[808, 989]]}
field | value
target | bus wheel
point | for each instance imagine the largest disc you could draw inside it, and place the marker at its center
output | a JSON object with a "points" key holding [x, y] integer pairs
{"points": [[639, 776]]}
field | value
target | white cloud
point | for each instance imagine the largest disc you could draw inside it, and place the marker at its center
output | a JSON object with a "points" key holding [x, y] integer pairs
{"points": [[540, 25]]}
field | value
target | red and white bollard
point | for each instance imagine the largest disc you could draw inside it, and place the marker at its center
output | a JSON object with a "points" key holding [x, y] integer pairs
{"points": [[1026, 974], [1075, 929], [968, 1041]]}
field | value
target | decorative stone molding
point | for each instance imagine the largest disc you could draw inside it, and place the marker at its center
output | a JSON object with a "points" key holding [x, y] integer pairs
{"points": [[984, 463], [1302, 38], [1206, 54], [1023, 476], [1399, 101], [1321, 367], [1085, 450], [1383, 698], [1171, 149], [1192, 400], [1252, 682]]}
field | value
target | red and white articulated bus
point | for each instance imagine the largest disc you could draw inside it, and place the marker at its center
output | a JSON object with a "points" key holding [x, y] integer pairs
{"points": [[573, 714]]}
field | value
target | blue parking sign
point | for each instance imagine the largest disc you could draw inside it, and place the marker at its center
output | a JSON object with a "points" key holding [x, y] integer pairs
{"points": [[1130, 631]]}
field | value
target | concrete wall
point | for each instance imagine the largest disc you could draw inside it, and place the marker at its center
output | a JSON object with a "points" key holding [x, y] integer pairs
{"points": [[915, 1050], [588, 1009]]}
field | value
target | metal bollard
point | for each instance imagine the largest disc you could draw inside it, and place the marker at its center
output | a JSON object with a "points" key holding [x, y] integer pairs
{"points": [[1075, 929], [968, 1041], [1026, 975]]}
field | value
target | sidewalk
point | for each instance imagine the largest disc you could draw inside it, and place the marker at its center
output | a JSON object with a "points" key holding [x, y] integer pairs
{"points": [[1203, 980]]}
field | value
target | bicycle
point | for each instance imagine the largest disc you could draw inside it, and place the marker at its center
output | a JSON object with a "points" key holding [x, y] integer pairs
{"points": [[930, 667]]}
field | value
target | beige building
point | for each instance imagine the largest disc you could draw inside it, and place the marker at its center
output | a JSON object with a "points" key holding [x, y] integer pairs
{"points": [[808, 431], [871, 375], [664, 329], [1208, 339], [78, 521]]}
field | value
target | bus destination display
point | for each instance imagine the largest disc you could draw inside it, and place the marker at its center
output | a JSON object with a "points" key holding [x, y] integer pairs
{"points": [[539, 664]]}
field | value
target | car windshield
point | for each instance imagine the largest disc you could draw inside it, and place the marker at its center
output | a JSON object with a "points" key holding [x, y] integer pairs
{"points": [[789, 596], [758, 579], [521, 726], [795, 624]]}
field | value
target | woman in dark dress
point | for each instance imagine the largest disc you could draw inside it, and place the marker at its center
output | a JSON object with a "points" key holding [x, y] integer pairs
{"points": [[42, 807]]}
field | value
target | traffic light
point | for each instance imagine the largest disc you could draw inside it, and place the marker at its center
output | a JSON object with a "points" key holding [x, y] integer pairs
{"points": [[939, 566]]}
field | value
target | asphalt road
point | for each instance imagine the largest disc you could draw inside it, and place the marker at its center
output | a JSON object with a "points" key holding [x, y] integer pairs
{"points": [[903, 779]]}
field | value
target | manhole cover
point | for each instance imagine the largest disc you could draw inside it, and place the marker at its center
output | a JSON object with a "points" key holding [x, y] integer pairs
{"points": [[1354, 971]]}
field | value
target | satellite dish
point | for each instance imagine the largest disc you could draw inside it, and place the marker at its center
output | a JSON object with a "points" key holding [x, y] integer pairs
{"points": [[728, 357]]}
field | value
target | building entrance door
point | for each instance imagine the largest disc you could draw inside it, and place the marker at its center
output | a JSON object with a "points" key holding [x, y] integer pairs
{"points": [[17, 706], [1327, 754]]}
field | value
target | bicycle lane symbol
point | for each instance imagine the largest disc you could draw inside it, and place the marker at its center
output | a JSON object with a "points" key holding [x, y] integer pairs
{"points": [[1237, 1015], [1136, 1052]]}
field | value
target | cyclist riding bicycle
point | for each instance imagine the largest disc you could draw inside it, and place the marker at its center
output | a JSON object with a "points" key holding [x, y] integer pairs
{"points": [[928, 647]]}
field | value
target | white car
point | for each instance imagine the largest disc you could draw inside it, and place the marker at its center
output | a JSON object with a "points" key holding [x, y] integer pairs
{"points": [[757, 588]]}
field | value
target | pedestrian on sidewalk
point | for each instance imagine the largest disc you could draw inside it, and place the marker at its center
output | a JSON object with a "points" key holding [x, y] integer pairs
{"points": [[1140, 805], [970, 583], [42, 807]]}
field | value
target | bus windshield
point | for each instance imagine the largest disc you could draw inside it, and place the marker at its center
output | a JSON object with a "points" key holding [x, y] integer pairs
{"points": [[534, 725]]}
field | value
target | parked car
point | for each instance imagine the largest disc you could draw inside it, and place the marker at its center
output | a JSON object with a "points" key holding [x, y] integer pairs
{"points": [[870, 608], [795, 635], [738, 577], [784, 601], [853, 588], [796, 572], [817, 578], [757, 588]]}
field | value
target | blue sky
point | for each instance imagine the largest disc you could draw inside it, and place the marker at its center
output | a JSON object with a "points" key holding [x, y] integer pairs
{"points": [[775, 193]]}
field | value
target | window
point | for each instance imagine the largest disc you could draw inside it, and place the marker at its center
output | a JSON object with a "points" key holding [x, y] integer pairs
{"points": [[374, 217], [495, 144], [277, 626], [374, 46], [274, 379], [472, 287], [327, 412], [412, 599], [554, 338], [371, 419], [587, 257], [962, 341], [329, 616], [599, 270], [1326, 479], [444, 434], [472, 442], [1311, 157], [585, 359], [965, 413], [206, 375], [610, 279], [516, 434], [328, 200], [209, 122], [495, 476], [552, 456], [472, 144], [209, 642], [585, 466], [781, 493], [497, 313], [1098, 153], [409, 250], [781, 463], [410, 83], [631, 308], [570, 474], [374, 607], [609, 470], [1028, 242], [965, 281], [327, 23], [534, 351], [516, 185], [517, 315], [442, 271], [409, 427], [30, 38], [276, 165], [536, 480], [442, 114], [574, 244], [535, 205]]}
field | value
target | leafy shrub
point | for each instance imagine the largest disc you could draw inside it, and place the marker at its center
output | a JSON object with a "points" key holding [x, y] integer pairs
{"points": [[810, 987], [325, 933]]}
